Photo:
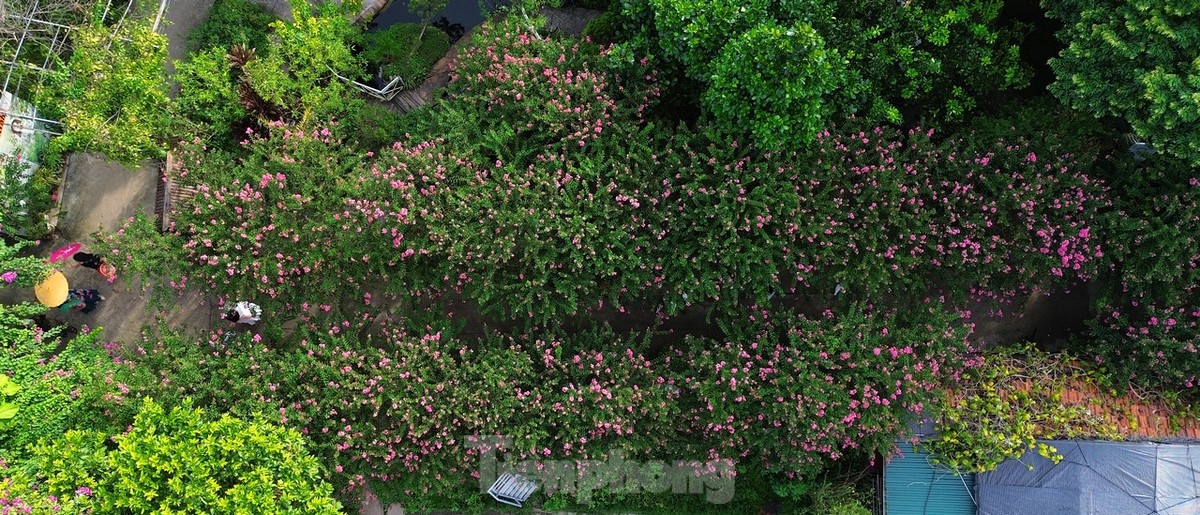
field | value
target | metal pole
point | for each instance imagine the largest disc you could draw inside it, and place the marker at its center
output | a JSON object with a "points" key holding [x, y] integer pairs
{"points": [[43, 22], [106, 8], [127, 8], [162, 6], [34, 118], [17, 55]]}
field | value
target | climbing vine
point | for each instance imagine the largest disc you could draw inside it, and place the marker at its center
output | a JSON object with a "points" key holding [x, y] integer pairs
{"points": [[1006, 402]]}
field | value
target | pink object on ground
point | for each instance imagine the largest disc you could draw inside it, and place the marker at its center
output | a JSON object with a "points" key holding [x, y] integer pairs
{"points": [[108, 272], [64, 252]]}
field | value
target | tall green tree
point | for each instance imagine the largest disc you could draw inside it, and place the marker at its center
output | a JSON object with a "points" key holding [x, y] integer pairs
{"points": [[111, 93], [773, 80], [1138, 60], [426, 9], [934, 57], [301, 71]]}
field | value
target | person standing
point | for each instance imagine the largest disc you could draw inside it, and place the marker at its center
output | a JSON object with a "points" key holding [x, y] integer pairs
{"points": [[96, 263]]}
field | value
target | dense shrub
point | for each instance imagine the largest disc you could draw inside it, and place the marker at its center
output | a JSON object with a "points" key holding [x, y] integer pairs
{"points": [[1152, 230], [913, 215], [397, 52], [1148, 345], [178, 461], [675, 218], [602, 29], [1135, 60], [300, 72], [1146, 311], [208, 95], [18, 270], [793, 392], [374, 126], [111, 93], [21, 497], [268, 217], [726, 224], [570, 232], [873, 58], [525, 241], [401, 411], [28, 193], [771, 83], [529, 95], [57, 392], [232, 22]]}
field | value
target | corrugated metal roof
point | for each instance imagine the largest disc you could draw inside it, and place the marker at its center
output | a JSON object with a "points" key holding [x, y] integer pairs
{"points": [[913, 486]]}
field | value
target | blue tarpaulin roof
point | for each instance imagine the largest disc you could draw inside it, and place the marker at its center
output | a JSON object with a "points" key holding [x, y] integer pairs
{"points": [[914, 486], [1096, 477]]}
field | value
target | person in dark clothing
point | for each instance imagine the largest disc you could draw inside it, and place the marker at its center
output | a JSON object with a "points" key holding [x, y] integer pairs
{"points": [[88, 260], [86, 299], [96, 263]]}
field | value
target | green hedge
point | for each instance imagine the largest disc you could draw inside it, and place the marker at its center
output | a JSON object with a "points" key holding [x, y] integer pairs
{"points": [[232, 22], [399, 52]]}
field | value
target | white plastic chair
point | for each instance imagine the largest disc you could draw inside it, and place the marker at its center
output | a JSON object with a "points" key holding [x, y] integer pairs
{"points": [[512, 489]]}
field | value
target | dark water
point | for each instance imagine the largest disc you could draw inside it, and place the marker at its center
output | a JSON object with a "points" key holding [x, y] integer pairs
{"points": [[464, 12]]}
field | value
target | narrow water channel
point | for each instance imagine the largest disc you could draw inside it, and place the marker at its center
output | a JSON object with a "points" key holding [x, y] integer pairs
{"points": [[467, 13]]}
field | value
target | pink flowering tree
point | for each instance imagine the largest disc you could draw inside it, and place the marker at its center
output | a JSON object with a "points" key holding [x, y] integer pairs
{"points": [[260, 225], [892, 213], [401, 418], [1048, 212], [537, 241], [400, 411], [792, 393], [1147, 315], [725, 221], [528, 95], [1148, 345], [1152, 234], [527, 205]]}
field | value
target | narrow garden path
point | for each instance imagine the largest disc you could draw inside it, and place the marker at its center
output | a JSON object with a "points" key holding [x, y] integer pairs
{"points": [[99, 194]]}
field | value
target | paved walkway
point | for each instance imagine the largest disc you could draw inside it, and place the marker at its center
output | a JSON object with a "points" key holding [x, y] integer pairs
{"points": [[98, 194]]}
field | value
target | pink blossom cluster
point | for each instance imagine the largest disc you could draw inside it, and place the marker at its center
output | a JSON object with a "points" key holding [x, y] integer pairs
{"points": [[898, 205], [400, 412], [1151, 345], [819, 388]]}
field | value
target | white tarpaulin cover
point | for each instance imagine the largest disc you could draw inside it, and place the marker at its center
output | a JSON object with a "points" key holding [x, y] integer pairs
{"points": [[1096, 478]]}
